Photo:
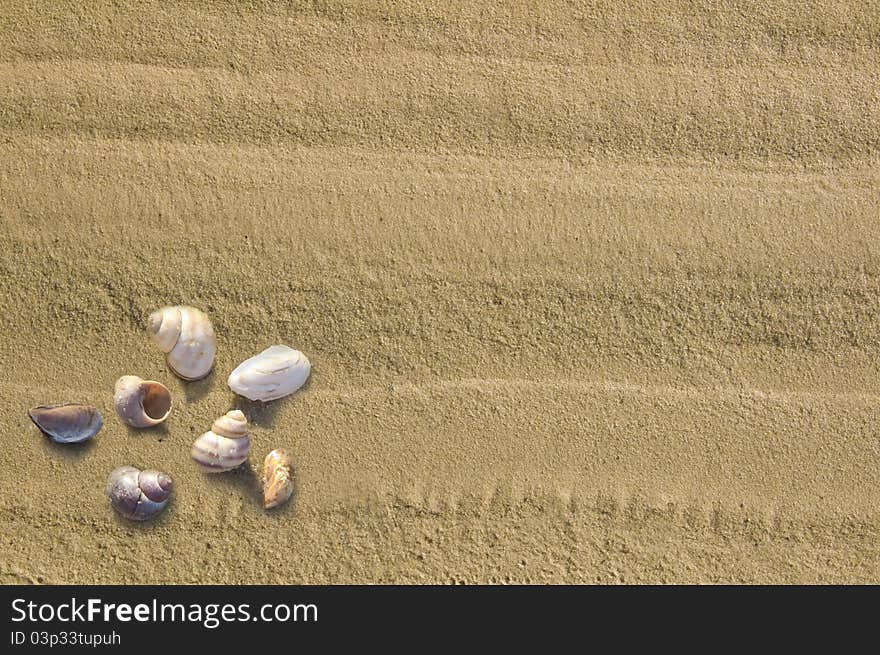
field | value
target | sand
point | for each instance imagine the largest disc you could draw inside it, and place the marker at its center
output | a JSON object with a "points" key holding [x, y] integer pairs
{"points": [[591, 290]]}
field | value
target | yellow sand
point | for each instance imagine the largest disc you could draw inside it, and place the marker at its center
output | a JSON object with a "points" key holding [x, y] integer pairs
{"points": [[591, 290]]}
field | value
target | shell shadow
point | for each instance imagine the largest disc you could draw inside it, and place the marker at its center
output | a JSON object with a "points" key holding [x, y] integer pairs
{"points": [[264, 414], [162, 519], [287, 508], [195, 390], [68, 451], [159, 431], [243, 480], [257, 412]]}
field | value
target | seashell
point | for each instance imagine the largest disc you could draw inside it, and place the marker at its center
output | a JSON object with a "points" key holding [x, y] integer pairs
{"points": [[141, 403], [276, 372], [186, 336], [277, 485], [68, 423], [138, 495], [225, 446]]}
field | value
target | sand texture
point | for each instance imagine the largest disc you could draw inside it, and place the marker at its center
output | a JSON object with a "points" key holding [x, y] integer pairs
{"points": [[591, 290]]}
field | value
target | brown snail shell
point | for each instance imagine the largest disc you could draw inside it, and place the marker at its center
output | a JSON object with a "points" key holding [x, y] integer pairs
{"points": [[141, 403], [138, 495], [277, 483], [67, 423], [225, 446]]}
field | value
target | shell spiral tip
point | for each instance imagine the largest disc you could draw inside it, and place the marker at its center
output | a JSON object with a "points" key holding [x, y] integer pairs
{"points": [[164, 481]]}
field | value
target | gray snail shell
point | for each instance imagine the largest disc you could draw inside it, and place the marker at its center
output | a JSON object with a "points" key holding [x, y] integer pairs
{"points": [[138, 495], [141, 403], [225, 446], [186, 336], [68, 423]]}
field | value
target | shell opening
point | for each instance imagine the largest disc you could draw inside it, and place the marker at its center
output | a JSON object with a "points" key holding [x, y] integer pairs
{"points": [[156, 401]]}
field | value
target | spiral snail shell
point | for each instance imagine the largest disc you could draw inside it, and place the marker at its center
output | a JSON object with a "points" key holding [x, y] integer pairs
{"points": [[69, 423], [225, 446], [276, 372], [138, 495], [277, 485], [141, 403], [186, 336]]}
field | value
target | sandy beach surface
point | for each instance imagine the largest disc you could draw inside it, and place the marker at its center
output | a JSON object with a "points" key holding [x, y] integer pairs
{"points": [[591, 290]]}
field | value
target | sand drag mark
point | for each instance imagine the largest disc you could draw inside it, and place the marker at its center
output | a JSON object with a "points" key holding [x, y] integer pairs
{"points": [[591, 290]]}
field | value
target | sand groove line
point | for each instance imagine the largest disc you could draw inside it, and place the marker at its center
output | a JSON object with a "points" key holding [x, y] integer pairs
{"points": [[25, 59], [432, 32], [633, 509], [489, 385], [153, 106], [20, 72], [493, 164]]}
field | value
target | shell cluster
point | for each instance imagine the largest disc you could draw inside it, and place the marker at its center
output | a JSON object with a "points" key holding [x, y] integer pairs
{"points": [[186, 336], [225, 446]]}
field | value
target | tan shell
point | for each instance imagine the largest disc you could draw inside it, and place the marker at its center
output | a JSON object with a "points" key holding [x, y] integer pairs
{"points": [[186, 335], [277, 483], [225, 446], [141, 403]]}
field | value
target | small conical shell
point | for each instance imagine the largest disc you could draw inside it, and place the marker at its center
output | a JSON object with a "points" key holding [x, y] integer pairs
{"points": [[141, 403], [276, 372], [186, 336], [138, 495], [69, 423], [277, 483], [225, 446]]}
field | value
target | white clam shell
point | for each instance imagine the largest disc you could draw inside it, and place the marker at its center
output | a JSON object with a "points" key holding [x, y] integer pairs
{"points": [[276, 372], [141, 403], [225, 446], [186, 335]]}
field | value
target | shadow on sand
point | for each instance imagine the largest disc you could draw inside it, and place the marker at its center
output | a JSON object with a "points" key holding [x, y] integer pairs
{"points": [[243, 480], [246, 480], [197, 389], [69, 451], [257, 412], [160, 432], [160, 520], [264, 414]]}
